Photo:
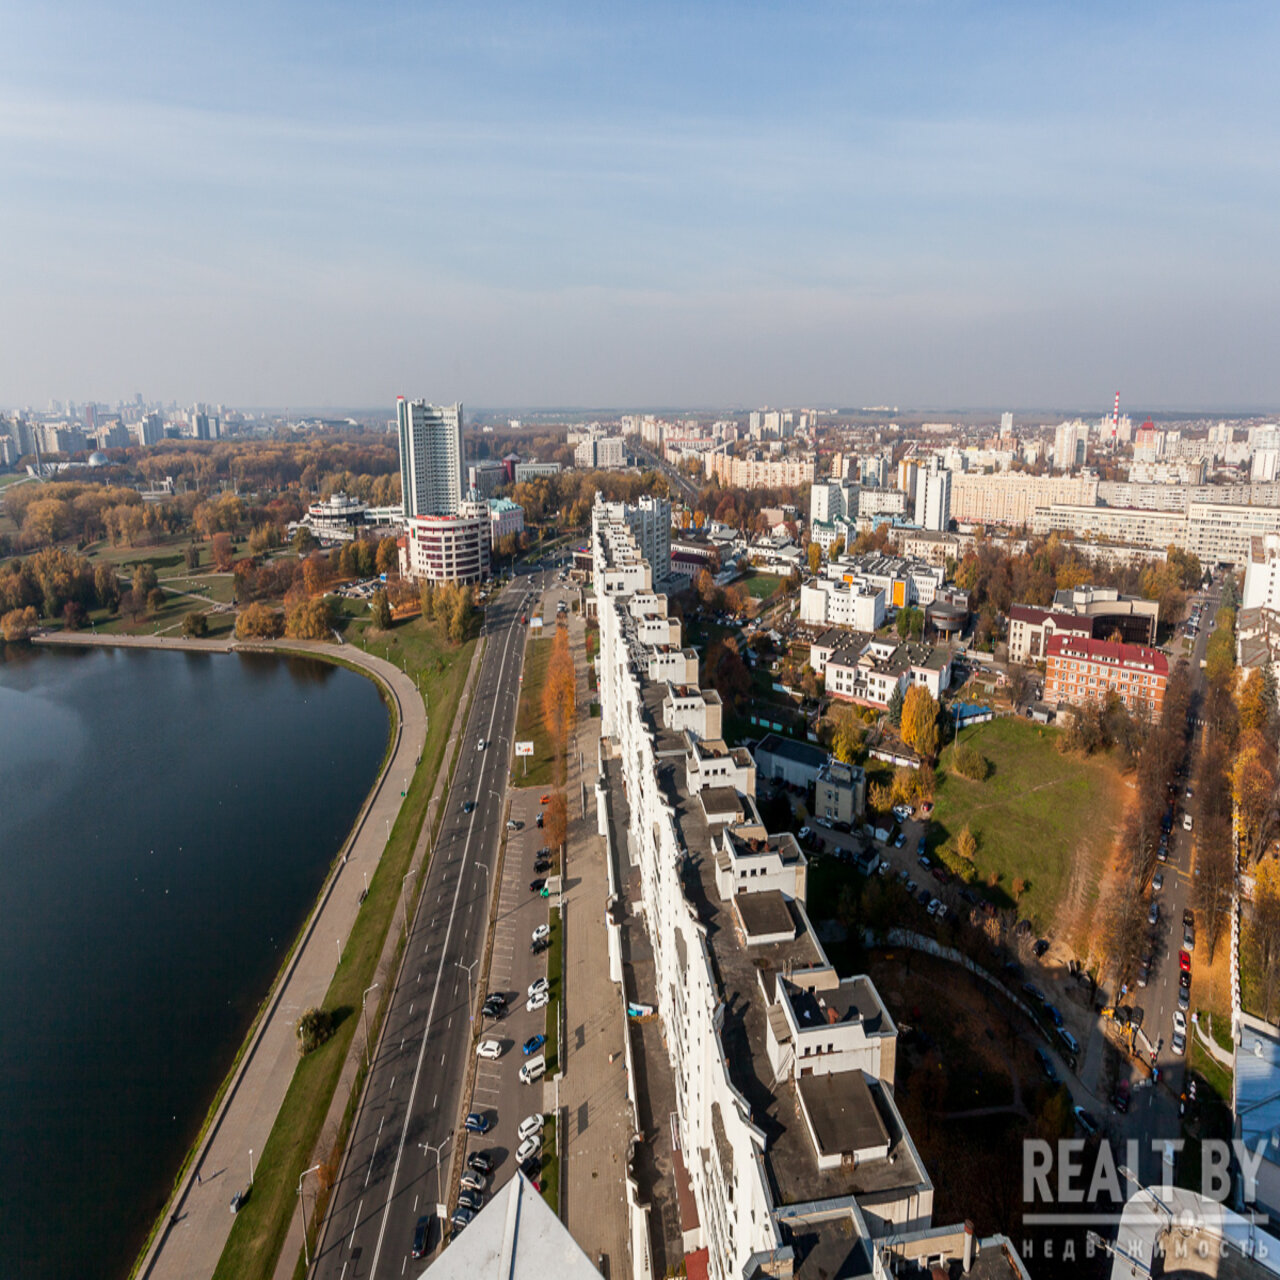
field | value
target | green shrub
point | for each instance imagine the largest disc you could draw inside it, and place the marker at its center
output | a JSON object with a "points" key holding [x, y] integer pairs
{"points": [[314, 1028]]}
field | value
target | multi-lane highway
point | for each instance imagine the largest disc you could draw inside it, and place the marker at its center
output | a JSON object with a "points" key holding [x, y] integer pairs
{"points": [[398, 1163]]}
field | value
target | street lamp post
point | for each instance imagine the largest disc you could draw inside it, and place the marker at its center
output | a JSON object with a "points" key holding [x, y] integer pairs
{"points": [[306, 1251], [365, 1016], [250, 1166], [437, 1151], [470, 996], [404, 905]]}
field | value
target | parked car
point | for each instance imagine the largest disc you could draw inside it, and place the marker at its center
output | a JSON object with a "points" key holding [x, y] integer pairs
{"points": [[541, 932], [1188, 939], [1180, 1021], [420, 1235], [1184, 961], [490, 1049], [545, 799], [1153, 914], [1046, 1065], [537, 886], [472, 1181], [461, 1216], [900, 841], [477, 1122], [1179, 1043], [540, 1001], [1042, 946], [1085, 1121], [480, 1161], [533, 1044], [538, 820], [1054, 1015], [537, 985], [470, 1200], [513, 825], [529, 1126], [1034, 992], [529, 1147], [1157, 882]]}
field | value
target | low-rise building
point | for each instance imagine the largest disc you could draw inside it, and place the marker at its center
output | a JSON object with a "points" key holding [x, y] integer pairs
{"points": [[505, 517], [786, 760], [886, 666], [1080, 671], [535, 470], [840, 792], [842, 604]]}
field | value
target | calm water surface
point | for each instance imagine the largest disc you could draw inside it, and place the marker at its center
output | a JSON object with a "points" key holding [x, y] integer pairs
{"points": [[166, 821]]}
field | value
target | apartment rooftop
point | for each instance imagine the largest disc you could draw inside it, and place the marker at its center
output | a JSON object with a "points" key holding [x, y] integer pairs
{"points": [[854, 998], [748, 973]]}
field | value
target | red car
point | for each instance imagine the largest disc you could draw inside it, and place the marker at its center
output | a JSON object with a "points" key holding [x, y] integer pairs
{"points": [[1184, 961], [545, 800]]}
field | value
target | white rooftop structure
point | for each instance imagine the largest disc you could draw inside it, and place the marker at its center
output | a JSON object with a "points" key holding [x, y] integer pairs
{"points": [[514, 1237]]}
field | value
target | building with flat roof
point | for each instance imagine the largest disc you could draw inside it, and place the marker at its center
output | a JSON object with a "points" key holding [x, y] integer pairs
{"points": [[792, 1152], [840, 792], [447, 548], [786, 760]]}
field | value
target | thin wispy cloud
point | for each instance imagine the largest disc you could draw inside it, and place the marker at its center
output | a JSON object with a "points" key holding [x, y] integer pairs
{"points": [[985, 204]]}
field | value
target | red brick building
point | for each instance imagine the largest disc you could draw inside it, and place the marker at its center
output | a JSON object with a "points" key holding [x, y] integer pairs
{"points": [[1080, 671]]}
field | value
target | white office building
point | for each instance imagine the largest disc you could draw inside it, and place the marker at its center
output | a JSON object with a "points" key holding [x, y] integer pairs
{"points": [[431, 478]]}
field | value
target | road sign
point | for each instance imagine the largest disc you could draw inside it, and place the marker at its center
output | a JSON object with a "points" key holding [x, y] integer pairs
{"points": [[524, 748]]}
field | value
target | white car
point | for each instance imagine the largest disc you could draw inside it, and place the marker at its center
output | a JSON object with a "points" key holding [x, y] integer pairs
{"points": [[489, 1049], [542, 932], [480, 746], [1179, 1022], [902, 812], [537, 985], [529, 1147], [530, 1126], [540, 1001]]}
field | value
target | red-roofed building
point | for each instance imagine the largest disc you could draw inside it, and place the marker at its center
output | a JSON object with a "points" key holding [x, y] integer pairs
{"points": [[1031, 629], [1080, 671]]}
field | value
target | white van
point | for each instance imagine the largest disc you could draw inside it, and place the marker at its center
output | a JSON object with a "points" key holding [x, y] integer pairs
{"points": [[1186, 822], [533, 1070]]}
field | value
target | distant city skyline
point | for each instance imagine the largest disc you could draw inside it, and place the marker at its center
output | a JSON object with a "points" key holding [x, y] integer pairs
{"points": [[718, 205]]}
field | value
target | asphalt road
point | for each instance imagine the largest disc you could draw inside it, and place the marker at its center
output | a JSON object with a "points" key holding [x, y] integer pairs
{"points": [[398, 1163]]}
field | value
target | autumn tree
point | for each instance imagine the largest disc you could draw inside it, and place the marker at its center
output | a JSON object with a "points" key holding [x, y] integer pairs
{"points": [[847, 735], [556, 820], [19, 624], [387, 557], [155, 600], [920, 721], [1254, 706], [380, 611], [1253, 788], [259, 622], [1262, 931], [195, 625], [879, 798], [222, 552], [309, 619], [815, 557], [559, 692], [967, 847], [106, 587]]}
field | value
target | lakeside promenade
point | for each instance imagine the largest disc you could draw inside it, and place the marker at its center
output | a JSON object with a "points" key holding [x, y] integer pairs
{"points": [[190, 1243]]}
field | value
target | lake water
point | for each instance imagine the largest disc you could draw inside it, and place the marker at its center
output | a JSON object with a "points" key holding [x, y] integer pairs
{"points": [[166, 821]]}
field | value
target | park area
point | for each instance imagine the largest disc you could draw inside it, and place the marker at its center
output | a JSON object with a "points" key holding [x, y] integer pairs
{"points": [[1044, 822]]}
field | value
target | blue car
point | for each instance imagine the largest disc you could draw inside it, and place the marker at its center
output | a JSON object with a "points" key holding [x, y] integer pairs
{"points": [[477, 1122], [1054, 1015], [532, 1045]]}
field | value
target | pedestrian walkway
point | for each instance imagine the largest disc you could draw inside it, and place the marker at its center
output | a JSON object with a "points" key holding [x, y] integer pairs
{"points": [[191, 1241], [593, 1092], [287, 1263]]}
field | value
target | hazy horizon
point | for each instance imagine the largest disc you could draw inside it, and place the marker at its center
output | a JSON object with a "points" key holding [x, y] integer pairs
{"points": [[720, 205]]}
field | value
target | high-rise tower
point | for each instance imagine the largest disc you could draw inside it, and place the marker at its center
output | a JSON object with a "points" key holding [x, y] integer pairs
{"points": [[431, 482]]}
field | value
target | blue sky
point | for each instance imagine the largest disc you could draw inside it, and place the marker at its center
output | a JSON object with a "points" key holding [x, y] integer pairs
{"points": [[704, 204]]}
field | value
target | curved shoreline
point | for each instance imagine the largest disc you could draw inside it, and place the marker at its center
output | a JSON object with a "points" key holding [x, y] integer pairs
{"points": [[244, 1110]]}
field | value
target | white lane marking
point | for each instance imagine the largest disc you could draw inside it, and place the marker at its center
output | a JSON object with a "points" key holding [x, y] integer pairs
{"points": [[355, 1222]]}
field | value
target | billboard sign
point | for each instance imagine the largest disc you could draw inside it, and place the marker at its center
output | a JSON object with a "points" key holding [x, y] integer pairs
{"points": [[524, 748]]}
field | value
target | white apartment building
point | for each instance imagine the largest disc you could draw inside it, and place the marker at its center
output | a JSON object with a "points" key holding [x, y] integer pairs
{"points": [[933, 500], [600, 453], [757, 472], [1012, 498], [841, 604], [788, 1136], [904, 582], [1070, 442], [431, 480], [1262, 574], [1171, 471], [1134, 527]]}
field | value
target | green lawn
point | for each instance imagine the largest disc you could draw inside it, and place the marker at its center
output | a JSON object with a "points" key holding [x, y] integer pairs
{"points": [[529, 726], [761, 586], [1036, 812], [555, 983], [260, 1228]]}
